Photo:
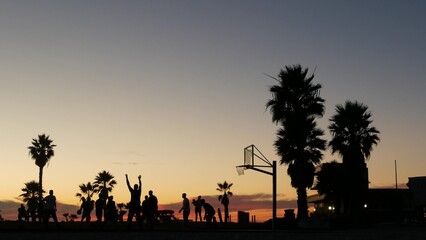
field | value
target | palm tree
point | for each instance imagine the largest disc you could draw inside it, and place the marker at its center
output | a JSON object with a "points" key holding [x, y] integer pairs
{"points": [[41, 151], [30, 196], [353, 139], [30, 191], [86, 190], [295, 105], [104, 183], [225, 188], [352, 136]]}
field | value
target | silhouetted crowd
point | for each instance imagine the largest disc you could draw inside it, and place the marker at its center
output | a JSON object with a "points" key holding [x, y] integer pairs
{"points": [[145, 213]]}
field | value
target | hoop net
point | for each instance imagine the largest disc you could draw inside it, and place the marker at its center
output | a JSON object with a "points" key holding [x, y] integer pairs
{"points": [[240, 170]]}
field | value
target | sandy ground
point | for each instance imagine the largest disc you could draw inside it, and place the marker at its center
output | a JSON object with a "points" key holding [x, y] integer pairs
{"points": [[388, 232]]}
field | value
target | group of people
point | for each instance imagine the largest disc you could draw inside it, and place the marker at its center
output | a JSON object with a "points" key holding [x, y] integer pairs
{"points": [[199, 204], [144, 212], [43, 209], [106, 208]]}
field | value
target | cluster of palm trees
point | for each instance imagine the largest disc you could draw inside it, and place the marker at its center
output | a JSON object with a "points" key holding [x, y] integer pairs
{"points": [[295, 106], [103, 184], [42, 150]]}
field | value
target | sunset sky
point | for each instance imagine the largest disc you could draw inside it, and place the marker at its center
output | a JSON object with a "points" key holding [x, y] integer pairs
{"points": [[174, 90]]}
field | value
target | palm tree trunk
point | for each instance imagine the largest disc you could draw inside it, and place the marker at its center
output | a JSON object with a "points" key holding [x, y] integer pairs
{"points": [[302, 204], [40, 197], [226, 213], [40, 181]]}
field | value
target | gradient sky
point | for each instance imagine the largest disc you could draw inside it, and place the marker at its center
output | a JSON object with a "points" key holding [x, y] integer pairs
{"points": [[174, 90]]}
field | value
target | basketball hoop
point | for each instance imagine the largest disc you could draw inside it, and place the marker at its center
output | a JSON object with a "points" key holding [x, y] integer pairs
{"points": [[253, 155], [240, 169]]}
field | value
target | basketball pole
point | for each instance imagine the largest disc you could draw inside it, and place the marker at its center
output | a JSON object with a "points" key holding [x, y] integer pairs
{"points": [[274, 194], [252, 166]]}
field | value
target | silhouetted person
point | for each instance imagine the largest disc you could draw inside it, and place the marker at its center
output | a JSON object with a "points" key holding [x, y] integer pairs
{"points": [[111, 211], [40, 210], [22, 214], [86, 208], [50, 208], [100, 205], [145, 210], [135, 201], [32, 208], [198, 206], [153, 207], [185, 208], [209, 211]]}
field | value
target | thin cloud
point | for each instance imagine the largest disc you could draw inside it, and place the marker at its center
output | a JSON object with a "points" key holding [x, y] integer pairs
{"points": [[128, 163], [132, 153]]}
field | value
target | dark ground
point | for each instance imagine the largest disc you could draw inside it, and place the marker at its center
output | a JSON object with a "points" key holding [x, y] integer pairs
{"points": [[76, 231]]}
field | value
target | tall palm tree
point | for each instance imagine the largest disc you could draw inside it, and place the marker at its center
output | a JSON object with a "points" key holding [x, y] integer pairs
{"points": [[353, 139], [86, 190], [104, 183], [352, 136], [41, 150], [225, 189], [295, 105]]}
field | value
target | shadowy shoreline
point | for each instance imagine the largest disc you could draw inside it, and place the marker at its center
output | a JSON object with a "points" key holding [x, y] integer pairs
{"points": [[199, 231]]}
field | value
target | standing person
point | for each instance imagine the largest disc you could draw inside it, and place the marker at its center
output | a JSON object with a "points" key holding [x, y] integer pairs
{"points": [[153, 207], [135, 200], [186, 209], [86, 208], [50, 208], [32, 208], [198, 205], [79, 211], [22, 214], [145, 209], [111, 211], [100, 205]]}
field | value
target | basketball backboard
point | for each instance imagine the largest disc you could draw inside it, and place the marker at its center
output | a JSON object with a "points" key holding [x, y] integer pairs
{"points": [[252, 156]]}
